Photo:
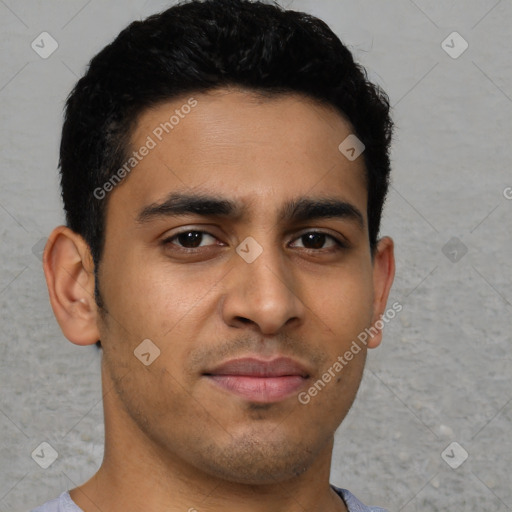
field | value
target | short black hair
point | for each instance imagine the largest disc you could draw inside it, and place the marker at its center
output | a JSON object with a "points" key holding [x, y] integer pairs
{"points": [[198, 46]]}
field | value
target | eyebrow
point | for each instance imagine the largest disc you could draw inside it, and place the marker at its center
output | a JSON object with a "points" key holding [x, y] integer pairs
{"points": [[296, 210]]}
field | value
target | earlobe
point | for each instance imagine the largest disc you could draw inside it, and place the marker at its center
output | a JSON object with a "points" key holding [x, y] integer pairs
{"points": [[69, 273], [383, 275]]}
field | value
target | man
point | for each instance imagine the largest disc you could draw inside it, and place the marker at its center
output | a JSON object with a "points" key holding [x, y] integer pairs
{"points": [[224, 165]]}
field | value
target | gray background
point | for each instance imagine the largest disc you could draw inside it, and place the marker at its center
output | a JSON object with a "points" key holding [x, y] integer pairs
{"points": [[444, 370]]}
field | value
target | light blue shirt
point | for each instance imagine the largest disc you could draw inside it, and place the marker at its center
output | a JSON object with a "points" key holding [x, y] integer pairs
{"points": [[64, 503]]}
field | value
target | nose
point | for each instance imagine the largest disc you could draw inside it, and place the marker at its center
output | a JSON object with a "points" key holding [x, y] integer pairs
{"points": [[265, 293]]}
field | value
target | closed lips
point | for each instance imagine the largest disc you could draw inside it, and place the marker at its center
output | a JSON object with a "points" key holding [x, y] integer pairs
{"points": [[252, 367]]}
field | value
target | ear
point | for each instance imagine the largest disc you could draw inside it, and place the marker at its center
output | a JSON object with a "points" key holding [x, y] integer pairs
{"points": [[383, 275], [69, 272]]}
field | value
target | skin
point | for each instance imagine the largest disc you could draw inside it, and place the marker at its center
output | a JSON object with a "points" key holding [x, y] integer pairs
{"points": [[174, 441]]}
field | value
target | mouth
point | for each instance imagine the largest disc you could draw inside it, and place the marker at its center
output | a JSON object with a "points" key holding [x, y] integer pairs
{"points": [[257, 380]]}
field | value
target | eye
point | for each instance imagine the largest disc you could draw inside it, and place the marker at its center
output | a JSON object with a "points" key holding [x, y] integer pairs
{"points": [[189, 239], [316, 240], [313, 240]]}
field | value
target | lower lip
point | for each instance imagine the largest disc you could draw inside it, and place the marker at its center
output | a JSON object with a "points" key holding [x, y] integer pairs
{"points": [[260, 389]]}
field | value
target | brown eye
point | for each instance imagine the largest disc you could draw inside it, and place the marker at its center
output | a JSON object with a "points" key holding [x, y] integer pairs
{"points": [[317, 240], [189, 239]]}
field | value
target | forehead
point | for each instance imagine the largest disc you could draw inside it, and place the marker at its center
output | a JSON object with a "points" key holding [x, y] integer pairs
{"points": [[237, 144]]}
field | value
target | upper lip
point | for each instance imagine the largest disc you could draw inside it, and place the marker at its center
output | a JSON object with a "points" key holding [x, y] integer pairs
{"points": [[256, 367]]}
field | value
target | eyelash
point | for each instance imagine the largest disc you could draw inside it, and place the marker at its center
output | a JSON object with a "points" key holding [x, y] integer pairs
{"points": [[340, 245]]}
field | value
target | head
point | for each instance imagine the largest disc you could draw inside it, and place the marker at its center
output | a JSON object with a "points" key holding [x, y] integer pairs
{"points": [[241, 107]]}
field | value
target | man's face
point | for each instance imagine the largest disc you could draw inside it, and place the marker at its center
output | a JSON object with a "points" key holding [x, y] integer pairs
{"points": [[202, 303]]}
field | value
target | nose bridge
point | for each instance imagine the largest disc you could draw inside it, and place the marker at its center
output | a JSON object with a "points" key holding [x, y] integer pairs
{"points": [[262, 287], [268, 274]]}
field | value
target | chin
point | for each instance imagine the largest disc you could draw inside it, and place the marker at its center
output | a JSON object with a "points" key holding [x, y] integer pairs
{"points": [[254, 463]]}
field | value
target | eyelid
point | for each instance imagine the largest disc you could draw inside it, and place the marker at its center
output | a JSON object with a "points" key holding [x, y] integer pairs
{"points": [[170, 238], [339, 239]]}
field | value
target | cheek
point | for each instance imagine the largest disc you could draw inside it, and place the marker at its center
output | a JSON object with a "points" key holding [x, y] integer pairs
{"points": [[343, 301], [331, 394], [153, 298]]}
